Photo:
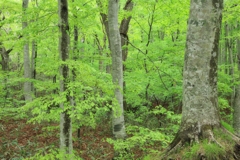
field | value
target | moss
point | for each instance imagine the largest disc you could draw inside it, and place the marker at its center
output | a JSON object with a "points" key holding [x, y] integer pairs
{"points": [[192, 152], [223, 138], [210, 151], [213, 151], [215, 144]]}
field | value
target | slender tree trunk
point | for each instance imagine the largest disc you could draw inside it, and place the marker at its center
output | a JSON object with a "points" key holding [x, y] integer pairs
{"points": [[27, 88], [100, 51], [5, 57], [5, 65], [5, 69], [65, 120], [236, 106], [33, 64], [226, 49], [74, 57], [124, 42], [118, 123], [104, 20], [161, 34], [34, 54], [220, 55], [149, 39], [75, 51], [229, 46], [124, 30]]}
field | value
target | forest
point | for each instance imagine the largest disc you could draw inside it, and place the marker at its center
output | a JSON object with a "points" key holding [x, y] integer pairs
{"points": [[120, 79]]}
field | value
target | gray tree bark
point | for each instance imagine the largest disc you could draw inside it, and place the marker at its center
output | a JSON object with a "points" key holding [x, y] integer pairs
{"points": [[117, 68], [200, 102], [236, 104], [27, 88], [65, 120]]}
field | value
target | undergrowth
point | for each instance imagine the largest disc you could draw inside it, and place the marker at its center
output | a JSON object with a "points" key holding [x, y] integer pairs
{"points": [[220, 149]]}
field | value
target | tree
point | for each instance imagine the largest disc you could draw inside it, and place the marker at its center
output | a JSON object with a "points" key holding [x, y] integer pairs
{"points": [[200, 113], [4, 53], [4, 62], [236, 104], [27, 70], [124, 41], [117, 68], [65, 120]]}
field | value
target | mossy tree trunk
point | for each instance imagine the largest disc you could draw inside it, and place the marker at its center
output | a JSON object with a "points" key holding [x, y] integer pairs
{"points": [[200, 115], [200, 101], [65, 120]]}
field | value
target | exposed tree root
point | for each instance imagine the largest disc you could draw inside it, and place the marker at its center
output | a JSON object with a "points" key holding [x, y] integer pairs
{"points": [[178, 147], [236, 153], [211, 138], [175, 148], [234, 137]]}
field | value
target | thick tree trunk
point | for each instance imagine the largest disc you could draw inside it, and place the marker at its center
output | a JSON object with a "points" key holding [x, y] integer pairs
{"points": [[65, 120], [200, 102], [236, 106], [27, 88], [117, 69], [200, 115], [200, 112]]}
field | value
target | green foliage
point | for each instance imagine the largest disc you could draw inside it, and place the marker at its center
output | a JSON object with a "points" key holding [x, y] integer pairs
{"points": [[149, 129], [93, 97], [153, 70], [158, 117], [206, 149], [225, 89], [52, 154], [227, 126], [224, 83], [141, 139], [221, 148], [230, 11], [10, 95]]}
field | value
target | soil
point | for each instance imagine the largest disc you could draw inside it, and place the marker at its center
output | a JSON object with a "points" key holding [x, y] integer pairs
{"points": [[20, 140]]}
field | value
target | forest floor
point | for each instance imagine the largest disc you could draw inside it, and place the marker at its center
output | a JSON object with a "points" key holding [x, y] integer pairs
{"points": [[20, 140]]}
